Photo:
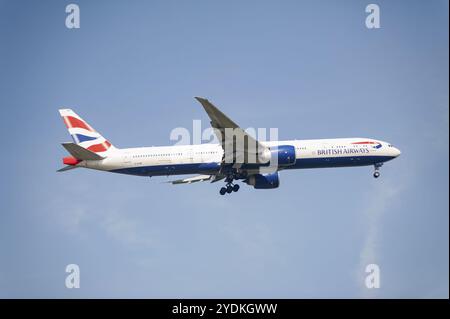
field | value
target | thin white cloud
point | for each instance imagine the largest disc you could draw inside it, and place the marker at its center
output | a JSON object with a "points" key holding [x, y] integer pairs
{"points": [[69, 218], [126, 230], [380, 198], [76, 218]]}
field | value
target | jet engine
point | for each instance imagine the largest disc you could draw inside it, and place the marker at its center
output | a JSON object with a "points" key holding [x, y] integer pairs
{"points": [[263, 181], [280, 155]]}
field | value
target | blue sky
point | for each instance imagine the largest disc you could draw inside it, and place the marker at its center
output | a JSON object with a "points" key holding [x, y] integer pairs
{"points": [[310, 68]]}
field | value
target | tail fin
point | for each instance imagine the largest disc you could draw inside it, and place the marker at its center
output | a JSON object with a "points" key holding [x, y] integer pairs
{"points": [[83, 134]]}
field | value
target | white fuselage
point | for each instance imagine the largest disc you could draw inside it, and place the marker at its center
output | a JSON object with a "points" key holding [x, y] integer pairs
{"points": [[207, 158]]}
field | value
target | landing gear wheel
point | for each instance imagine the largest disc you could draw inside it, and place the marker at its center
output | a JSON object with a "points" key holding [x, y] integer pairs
{"points": [[235, 187], [222, 191], [377, 166], [229, 189]]}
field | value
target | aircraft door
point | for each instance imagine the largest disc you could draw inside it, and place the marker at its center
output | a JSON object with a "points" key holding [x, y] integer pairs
{"points": [[126, 159], [190, 155]]}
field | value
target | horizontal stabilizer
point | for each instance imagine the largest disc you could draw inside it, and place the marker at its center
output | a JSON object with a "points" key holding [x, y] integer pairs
{"points": [[66, 168], [81, 153]]}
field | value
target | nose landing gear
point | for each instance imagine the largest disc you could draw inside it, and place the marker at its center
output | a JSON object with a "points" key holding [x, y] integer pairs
{"points": [[376, 173]]}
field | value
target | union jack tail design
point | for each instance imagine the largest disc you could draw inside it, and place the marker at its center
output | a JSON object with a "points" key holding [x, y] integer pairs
{"points": [[83, 134]]}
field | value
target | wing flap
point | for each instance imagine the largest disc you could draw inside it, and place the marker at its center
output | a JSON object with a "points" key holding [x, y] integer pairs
{"points": [[190, 180]]}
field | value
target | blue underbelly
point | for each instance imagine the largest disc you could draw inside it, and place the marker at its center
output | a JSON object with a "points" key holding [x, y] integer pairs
{"points": [[347, 161], [170, 169]]}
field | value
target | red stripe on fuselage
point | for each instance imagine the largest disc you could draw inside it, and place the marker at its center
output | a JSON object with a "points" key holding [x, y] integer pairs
{"points": [[73, 122], [368, 142]]}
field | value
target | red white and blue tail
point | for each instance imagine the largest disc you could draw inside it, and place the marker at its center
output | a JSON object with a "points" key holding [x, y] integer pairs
{"points": [[84, 135]]}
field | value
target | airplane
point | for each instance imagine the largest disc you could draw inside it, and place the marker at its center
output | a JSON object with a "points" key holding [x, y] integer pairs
{"points": [[256, 163]]}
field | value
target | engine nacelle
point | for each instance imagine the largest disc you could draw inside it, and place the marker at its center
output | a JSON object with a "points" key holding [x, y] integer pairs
{"points": [[280, 155], [264, 181]]}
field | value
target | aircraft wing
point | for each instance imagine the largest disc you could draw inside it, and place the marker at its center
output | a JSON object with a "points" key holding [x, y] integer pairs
{"points": [[198, 178], [244, 152]]}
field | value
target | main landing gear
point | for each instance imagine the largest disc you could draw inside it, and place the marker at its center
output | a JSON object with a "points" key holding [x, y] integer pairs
{"points": [[376, 173], [230, 187]]}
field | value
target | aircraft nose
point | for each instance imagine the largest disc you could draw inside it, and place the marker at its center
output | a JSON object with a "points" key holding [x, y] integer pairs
{"points": [[396, 152]]}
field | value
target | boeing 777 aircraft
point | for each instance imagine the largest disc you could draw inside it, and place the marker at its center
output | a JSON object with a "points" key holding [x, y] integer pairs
{"points": [[256, 163]]}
